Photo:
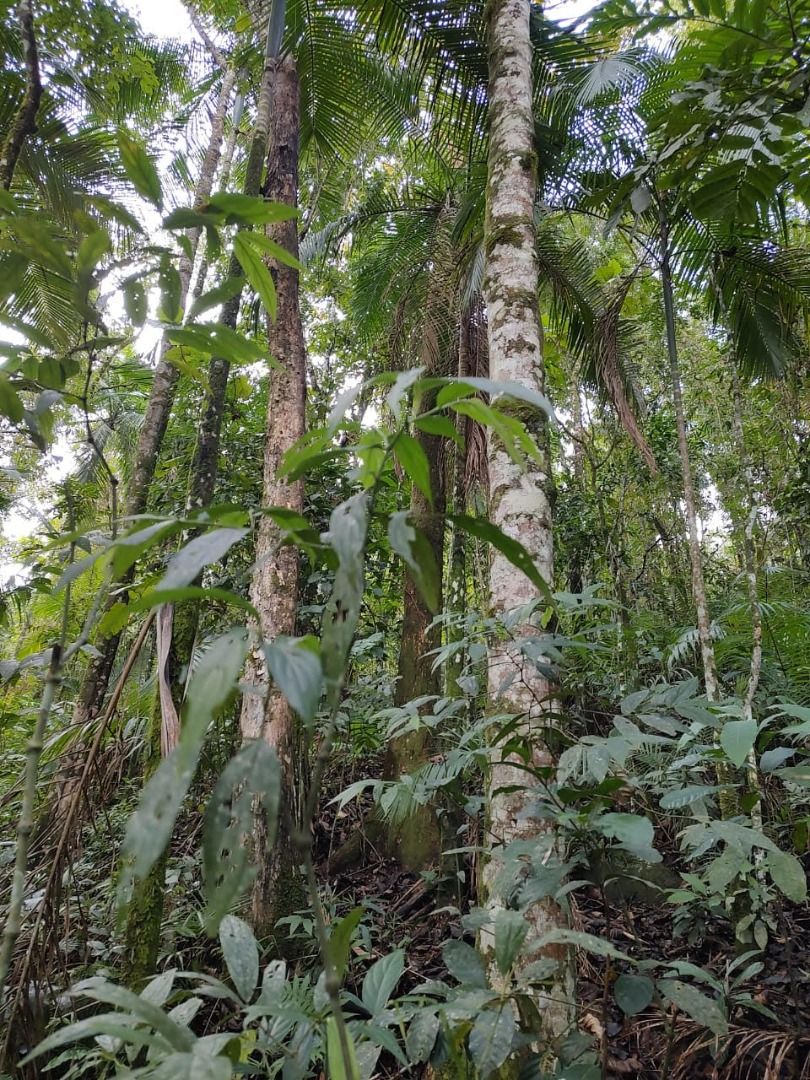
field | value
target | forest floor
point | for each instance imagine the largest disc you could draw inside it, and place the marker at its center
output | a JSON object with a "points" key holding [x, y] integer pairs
{"points": [[406, 910]]}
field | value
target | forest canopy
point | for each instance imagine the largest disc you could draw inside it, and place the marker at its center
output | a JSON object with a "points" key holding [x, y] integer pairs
{"points": [[405, 535]]}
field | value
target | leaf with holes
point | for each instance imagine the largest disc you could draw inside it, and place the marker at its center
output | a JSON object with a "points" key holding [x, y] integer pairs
{"points": [[150, 827], [251, 779]]}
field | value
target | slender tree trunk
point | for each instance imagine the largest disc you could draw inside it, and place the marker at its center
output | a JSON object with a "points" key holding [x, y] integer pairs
{"points": [[25, 122], [710, 678], [178, 625], [274, 591], [746, 531], [519, 498], [417, 842]]}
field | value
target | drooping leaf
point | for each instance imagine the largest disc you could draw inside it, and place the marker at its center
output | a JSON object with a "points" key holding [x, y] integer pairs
{"points": [[338, 1067], [701, 1008], [140, 168], [210, 547], [737, 737], [510, 548], [491, 1039], [340, 939], [788, 875], [413, 547], [510, 933], [296, 669], [150, 827], [241, 954], [250, 782], [413, 459], [348, 526], [381, 980], [256, 272]]}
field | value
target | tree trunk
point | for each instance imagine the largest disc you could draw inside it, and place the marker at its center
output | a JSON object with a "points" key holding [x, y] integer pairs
{"points": [[180, 623], [274, 590], [416, 842], [519, 498], [746, 532], [710, 678]]}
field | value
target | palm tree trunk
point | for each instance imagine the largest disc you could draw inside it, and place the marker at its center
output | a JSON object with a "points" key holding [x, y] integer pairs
{"points": [[278, 889], [520, 498], [710, 678]]}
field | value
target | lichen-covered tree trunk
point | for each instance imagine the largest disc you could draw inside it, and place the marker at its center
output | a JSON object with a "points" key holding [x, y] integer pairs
{"points": [[711, 681], [274, 589], [520, 501]]}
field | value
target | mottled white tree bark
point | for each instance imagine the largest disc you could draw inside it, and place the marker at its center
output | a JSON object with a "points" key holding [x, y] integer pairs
{"points": [[519, 499], [274, 590]]}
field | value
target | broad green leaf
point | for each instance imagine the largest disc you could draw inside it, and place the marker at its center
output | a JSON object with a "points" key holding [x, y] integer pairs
{"points": [[631, 829], [348, 525], [249, 209], [703, 1009], [150, 827], [510, 548], [505, 388], [435, 424], [685, 796], [229, 288], [10, 403], [491, 1039], [421, 1037], [788, 875], [241, 954], [208, 548], [510, 933], [338, 1068], [256, 272], [99, 989], [588, 942], [413, 547], [464, 963], [725, 868], [250, 783], [381, 980], [140, 168], [511, 431], [296, 670], [215, 339], [128, 549], [135, 303], [737, 738], [275, 251], [340, 940], [633, 993], [413, 459], [115, 1025]]}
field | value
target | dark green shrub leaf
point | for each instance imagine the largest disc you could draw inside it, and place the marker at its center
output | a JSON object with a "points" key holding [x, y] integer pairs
{"points": [[491, 1039], [296, 670], [633, 993]]}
